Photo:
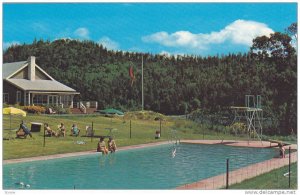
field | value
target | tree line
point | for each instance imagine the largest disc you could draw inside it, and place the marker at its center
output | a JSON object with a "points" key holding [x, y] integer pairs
{"points": [[176, 84]]}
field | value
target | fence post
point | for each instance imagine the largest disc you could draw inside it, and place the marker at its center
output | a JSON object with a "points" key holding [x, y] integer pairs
{"points": [[130, 130], [92, 131], [44, 139], [290, 167], [160, 126], [227, 172]]}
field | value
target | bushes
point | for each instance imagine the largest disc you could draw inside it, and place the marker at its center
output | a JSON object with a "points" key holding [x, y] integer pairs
{"points": [[34, 109], [59, 109], [239, 128], [144, 115]]}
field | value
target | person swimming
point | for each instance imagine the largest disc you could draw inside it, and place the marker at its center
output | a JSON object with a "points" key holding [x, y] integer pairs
{"points": [[174, 152]]}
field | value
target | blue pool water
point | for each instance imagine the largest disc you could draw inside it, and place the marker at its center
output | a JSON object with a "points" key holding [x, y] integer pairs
{"points": [[147, 168]]}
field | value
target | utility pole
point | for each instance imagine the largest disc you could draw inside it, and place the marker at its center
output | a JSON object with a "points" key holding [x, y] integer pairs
{"points": [[142, 83]]}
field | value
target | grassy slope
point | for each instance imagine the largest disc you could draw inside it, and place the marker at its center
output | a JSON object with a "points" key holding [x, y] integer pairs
{"points": [[271, 180], [143, 131]]}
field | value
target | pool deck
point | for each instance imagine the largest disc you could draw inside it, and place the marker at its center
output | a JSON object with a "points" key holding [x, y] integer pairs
{"points": [[244, 173], [255, 144]]}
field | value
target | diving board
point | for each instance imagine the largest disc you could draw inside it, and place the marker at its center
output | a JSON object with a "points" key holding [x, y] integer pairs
{"points": [[279, 142], [251, 115]]}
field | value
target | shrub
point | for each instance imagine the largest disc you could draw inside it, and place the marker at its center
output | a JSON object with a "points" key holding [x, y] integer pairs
{"points": [[58, 109], [179, 124], [238, 128], [34, 109]]}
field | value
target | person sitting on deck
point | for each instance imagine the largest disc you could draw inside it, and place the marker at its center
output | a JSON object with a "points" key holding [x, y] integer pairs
{"points": [[74, 130], [101, 147], [62, 130], [48, 130], [112, 147], [23, 130]]}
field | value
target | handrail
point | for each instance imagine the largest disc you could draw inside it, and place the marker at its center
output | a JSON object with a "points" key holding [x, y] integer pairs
{"points": [[82, 107]]}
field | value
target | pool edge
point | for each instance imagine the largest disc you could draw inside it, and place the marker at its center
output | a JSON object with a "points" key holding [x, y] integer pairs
{"points": [[72, 154]]}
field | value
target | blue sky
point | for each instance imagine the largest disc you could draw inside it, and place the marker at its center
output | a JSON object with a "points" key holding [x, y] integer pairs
{"points": [[171, 28]]}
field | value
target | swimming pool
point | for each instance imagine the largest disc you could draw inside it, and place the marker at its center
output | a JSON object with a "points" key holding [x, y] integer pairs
{"points": [[146, 168]]}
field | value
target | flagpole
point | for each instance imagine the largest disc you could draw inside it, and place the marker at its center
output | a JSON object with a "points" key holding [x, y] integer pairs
{"points": [[142, 83]]}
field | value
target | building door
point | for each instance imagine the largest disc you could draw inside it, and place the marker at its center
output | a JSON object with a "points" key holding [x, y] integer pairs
{"points": [[52, 100]]}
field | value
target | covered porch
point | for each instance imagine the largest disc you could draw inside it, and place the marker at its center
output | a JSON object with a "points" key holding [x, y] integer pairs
{"points": [[38, 98]]}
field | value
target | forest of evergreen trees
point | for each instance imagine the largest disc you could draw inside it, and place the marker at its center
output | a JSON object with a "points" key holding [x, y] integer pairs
{"points": [[176, 84]]}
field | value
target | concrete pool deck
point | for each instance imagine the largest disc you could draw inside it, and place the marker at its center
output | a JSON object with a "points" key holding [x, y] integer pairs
{"points": [[215, 182], [255, 144]]}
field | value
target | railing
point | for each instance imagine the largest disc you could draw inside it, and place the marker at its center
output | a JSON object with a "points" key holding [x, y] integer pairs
{"points": [[82, 107], [85, 106], [90, 104]]}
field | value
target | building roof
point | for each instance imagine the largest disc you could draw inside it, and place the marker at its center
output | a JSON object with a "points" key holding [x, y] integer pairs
{"points": [[41, 85], [10, 68]]}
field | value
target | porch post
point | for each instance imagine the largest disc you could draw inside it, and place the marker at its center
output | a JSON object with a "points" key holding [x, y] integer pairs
{"points": [[59, 102], [28, 98], [24, 98], [72, 96], [32, 96]]}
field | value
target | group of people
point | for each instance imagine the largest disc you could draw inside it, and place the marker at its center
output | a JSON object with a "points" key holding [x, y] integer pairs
{"points": [[111, 145], [61, 131]]}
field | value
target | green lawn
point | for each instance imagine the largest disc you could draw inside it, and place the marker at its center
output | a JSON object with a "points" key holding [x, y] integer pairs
{"points": [[142, 131], [272, 180]]}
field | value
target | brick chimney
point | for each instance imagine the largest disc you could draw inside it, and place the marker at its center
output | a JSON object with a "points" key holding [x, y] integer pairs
{"points": [[31, 68]]}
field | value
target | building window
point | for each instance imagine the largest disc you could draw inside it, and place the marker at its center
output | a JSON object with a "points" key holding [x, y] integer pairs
{"points": [[18, 100], [40, 100], [5, 98]]}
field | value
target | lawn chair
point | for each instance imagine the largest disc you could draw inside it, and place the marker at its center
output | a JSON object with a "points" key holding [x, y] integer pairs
{"points": [[89, 131], [21, 134]]}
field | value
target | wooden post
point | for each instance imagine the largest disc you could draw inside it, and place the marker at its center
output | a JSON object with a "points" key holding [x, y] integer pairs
{"points": [[227, 172], [290, 167], [130, 130], [160, 126]]}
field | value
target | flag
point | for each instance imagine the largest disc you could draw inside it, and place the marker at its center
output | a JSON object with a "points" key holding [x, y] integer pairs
{"points": [[131, 74]]}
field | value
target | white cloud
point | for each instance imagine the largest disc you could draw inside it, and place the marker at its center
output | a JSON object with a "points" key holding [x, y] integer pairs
{"points": [[108, 43], [240, 32], [82, 33], [8, 44], [165, 53], [170, 54]]}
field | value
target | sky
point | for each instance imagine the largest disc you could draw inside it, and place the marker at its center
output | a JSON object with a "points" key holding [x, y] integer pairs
{"points": [[158, 28]]}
